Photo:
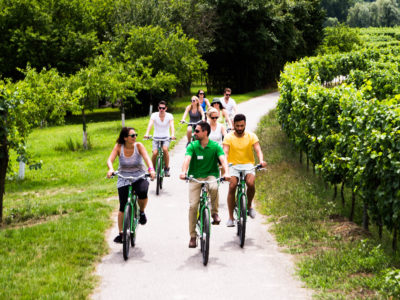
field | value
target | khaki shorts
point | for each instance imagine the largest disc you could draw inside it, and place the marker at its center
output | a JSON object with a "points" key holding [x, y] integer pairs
{"points": [[235, 169]]}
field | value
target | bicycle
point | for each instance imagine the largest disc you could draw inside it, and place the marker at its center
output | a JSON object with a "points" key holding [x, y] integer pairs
{"points": [[160, 164], [240, 210], [193, 124], [203, 217], [131, 216]]}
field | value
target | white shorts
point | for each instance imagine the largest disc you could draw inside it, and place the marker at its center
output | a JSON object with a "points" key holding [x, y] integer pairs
{"points": [[164, 143], [234, 170]]}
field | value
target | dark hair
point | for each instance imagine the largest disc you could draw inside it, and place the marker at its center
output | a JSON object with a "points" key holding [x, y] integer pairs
{"points": [[205, 127], [123, 134], [198, 93], [239, 117], [227, 90], [162, 102]]}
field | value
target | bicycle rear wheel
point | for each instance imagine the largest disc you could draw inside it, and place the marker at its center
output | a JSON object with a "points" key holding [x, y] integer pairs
{"points": [[159, 166], [205, 237], [126, 237], [243, 219]]}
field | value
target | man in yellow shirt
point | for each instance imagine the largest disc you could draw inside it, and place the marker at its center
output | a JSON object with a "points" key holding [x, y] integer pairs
{"points": [[238, 147]]}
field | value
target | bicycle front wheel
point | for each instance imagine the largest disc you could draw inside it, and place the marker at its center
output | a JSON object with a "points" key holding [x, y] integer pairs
{"points": [[126, 237], [205, 237], [159, 166], [242, 219]]}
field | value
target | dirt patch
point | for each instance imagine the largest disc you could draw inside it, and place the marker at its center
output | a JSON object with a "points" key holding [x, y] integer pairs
{"points": [[347, 230], [30, 222]]}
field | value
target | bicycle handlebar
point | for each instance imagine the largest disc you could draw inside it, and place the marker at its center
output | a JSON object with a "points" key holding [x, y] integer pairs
{"points": [[191, 178], [159, 139], [256, 167], [146, 175], [190, 123]]}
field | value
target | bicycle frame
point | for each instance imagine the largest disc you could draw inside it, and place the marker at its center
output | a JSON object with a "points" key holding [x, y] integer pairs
{"points": [[204, 205], [132, 201], [160, 157], [241, 190]]}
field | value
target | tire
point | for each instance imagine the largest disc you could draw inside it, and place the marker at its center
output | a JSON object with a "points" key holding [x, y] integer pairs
{"points": [[126, 236], [243, 219], [205, 238], [135, 224], [158, 176]]}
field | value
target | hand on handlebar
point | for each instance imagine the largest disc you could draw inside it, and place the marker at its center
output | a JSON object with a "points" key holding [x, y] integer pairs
{"points": [[110, 174], [152, 175], [182, 176], [263, 164]]}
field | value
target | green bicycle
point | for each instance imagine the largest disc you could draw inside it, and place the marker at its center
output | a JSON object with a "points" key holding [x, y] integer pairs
{"points": [[160, 164], [193, 124], [203, 217], [240, 210], [131, 216]]}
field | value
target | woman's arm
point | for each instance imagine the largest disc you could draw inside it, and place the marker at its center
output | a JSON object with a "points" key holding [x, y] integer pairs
{"points": [[227, 119], [185, 113], [111, 158], [146, 158]]}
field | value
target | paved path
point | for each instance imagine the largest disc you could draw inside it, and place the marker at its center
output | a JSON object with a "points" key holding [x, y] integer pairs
{"points": [[161, 266]]}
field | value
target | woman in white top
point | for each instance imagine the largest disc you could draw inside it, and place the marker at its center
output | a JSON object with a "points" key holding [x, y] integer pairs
{"points": [[218, 130]]}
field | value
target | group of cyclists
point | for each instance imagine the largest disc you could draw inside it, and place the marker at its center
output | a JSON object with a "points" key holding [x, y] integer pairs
{"points": [[212, 147]]}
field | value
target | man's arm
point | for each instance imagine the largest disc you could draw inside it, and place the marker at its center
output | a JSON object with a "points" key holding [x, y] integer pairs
{"points": [[260, 155], [226, 149], [151, 122], [171, 124], [185, 167], [225, 169]]}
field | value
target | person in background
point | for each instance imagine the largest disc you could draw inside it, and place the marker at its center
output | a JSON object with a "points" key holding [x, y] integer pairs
{"points": [[218, 130], [204, 103], [162, 122], [229, 104], [131, 156], [223, 114], [196, 114]]}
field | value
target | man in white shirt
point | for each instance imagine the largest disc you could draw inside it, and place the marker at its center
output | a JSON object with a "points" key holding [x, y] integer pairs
{"points": [[162, 122], [229, 104]]}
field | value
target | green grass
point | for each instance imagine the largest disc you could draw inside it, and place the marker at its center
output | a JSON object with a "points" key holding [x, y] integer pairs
{"points": [[54, 221], [335, 257]]}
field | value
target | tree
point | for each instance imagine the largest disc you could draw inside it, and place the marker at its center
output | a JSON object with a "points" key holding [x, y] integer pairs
{"points": [[23, 105], [254, 39], [360, 15], [339, 39], [337, 8], [388, 13]]}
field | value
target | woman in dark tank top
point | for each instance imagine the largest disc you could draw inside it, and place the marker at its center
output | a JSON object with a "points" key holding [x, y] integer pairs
{"points": [[132, 156], [196, 114]]}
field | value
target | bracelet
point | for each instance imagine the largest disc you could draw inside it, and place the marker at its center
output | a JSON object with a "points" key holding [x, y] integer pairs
{"points": [[150, 169]]}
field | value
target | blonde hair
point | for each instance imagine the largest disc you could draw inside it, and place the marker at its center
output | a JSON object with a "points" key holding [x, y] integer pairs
{"points": [[211, 110], [197, 104]]}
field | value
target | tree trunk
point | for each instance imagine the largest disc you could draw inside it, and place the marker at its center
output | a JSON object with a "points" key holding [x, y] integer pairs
{"points": [[353, 204], [342, 194], [84, 139], [380, 227], [122, 114], [365, 216], [394, 242], [301, 157], [4, 158], [334, 192]]}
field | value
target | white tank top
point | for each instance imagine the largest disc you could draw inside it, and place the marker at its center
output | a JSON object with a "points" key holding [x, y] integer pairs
{"points": [[216, 135]]}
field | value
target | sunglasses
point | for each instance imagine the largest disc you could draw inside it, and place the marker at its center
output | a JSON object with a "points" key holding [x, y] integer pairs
{"points": [[227, 95], [193, 100], [161, 107], [197, 131], [133, 135], [201, 93], [214, 118]]}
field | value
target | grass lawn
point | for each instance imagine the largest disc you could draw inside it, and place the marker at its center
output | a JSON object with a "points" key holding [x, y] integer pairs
{"points": [[335, 257], [55, 219]]}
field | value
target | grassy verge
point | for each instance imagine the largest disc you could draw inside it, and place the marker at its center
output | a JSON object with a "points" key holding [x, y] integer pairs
{"points": [[55, 219], [335, 257]]}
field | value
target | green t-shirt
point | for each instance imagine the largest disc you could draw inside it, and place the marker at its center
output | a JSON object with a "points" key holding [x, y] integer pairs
{"points": [[204, 161]]}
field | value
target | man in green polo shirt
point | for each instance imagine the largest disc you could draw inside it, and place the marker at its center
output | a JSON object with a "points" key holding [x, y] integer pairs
{"points": [[201, 159]]}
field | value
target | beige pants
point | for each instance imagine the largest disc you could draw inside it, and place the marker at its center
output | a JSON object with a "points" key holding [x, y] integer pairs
{"points": [[194, 200]]}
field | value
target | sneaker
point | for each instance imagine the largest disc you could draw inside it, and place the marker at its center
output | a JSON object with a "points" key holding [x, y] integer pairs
{"points": [[142, 219], [251, 212], [216, 219], [118, 239], [166, 172], [230, 223], [193, 242]]}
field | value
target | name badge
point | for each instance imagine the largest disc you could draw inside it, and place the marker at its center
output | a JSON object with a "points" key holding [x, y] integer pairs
{"points": [[199, 157]]}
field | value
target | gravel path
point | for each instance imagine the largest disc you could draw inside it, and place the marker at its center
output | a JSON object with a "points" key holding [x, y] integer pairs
{"points": [[161, 266]]}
